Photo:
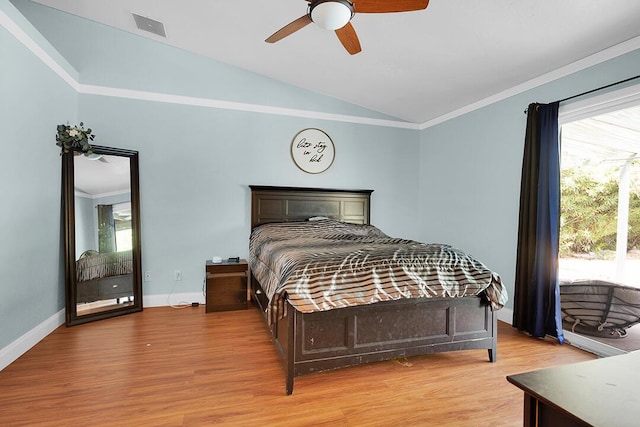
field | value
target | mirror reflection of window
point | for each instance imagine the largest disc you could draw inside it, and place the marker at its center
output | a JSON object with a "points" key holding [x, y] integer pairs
{"points": [[122, 220], [114, 227], [106, 229]]}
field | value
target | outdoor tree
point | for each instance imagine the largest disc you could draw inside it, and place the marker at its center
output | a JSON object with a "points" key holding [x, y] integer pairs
{"points": [[589, 211]]}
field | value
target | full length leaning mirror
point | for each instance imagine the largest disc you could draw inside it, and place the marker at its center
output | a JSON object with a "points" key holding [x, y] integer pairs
{"points": [[101, 208]]}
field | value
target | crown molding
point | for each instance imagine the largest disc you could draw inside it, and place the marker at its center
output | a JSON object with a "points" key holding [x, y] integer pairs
{"points": [[595, 59], [33, 46], [15, 29], [237, 106]]}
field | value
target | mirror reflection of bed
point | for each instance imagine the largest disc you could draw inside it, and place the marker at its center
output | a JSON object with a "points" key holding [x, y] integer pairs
{"points": [[104, 281], [103, 234]]}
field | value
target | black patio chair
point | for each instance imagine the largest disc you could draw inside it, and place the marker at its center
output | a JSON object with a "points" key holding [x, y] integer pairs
{"points": [[599, 308]]}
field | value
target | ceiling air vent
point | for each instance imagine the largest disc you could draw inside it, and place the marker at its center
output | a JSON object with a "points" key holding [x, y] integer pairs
{"points": [[150, 25]]}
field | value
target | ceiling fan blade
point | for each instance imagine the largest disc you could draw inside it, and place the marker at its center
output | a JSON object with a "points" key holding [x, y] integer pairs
{"points": [[289, 29], [349, 39], [386, 6]]}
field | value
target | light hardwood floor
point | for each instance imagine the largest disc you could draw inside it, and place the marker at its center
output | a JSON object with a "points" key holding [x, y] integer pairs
{"points": [[175, 367]]}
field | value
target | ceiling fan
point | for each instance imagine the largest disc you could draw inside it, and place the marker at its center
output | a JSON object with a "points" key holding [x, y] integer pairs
{"points": [[92, 156], [336, 15]]}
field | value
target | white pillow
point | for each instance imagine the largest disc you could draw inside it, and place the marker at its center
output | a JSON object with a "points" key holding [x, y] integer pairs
{"points": [[317, 218]]}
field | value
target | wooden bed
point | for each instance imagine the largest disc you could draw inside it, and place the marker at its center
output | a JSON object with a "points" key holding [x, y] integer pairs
{"points": [[318, 341]]}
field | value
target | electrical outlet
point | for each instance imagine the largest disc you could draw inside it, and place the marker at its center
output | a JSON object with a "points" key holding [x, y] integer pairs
{"points": [[177, 275], [147, 276]]}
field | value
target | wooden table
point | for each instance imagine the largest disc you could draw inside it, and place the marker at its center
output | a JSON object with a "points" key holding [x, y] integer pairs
{"points": [[601, 392]]}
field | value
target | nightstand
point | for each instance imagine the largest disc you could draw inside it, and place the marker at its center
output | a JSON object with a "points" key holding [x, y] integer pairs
{"points": [[226, 285]]}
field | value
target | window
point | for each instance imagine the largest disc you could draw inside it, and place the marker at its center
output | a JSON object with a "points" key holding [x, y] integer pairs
{"points": [[600, 201], [122, 220]]}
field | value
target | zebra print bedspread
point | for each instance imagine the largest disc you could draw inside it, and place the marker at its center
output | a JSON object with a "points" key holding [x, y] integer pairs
{"points": [[326, 264], [104, 265]]}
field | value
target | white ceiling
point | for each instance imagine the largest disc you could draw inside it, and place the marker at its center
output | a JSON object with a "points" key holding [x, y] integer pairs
{"points": [[102, 177], [415, 66]]}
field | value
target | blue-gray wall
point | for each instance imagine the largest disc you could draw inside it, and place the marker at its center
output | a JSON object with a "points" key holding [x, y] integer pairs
{"points": [[196, 162], [196, 165], [85, 220], [470, 168], [33, 100], [456, 182]]}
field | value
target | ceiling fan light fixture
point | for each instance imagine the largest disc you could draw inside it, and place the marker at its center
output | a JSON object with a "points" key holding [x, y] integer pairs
{"points": [[331, 14], [93, 156]]}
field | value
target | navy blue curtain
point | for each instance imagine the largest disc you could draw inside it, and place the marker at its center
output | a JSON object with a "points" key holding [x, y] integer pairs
{"points": [[106, 229], [537, 294]]}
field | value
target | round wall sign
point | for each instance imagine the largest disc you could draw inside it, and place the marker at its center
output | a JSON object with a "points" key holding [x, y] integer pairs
{"points": [[312, 150]]}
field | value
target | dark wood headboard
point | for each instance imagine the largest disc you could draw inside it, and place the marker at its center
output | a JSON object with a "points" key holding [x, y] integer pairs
{"points": [[284, 204]]}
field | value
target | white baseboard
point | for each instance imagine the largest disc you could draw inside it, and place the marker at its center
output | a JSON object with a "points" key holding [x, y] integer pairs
{"points": [[20, 346], [173, 299], [506, 315]]}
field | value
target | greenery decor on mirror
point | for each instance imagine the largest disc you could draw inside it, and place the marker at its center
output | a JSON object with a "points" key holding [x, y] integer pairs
{"points": [[69, 137]]}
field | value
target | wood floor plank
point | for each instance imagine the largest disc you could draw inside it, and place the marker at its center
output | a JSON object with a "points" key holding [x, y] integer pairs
{"points": [[185, 367]]}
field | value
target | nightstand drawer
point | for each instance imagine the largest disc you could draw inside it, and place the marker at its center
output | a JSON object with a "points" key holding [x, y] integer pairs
{"points": [[226, 286]]}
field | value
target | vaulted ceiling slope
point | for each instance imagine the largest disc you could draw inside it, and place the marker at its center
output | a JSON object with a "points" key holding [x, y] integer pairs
{"points": [[417, 66]]}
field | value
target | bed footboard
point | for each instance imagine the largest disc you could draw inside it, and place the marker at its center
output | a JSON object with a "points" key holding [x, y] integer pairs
{"points": [[312, 342]]}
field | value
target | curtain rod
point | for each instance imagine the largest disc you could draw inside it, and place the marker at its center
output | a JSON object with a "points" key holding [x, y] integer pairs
{"points": [[594, 90]]}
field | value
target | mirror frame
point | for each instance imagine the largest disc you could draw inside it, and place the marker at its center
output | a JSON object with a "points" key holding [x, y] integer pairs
{"points": [[68, 208]]}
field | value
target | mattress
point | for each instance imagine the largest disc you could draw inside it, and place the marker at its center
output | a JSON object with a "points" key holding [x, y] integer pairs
{"points": [[326, 264]]}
